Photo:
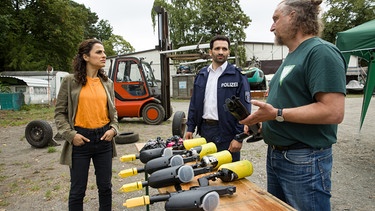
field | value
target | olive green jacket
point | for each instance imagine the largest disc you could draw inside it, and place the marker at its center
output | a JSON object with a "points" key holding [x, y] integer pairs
{"points": [[66, 109]]}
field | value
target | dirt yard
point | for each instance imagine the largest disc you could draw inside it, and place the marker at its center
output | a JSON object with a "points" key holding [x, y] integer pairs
{"points": [[32, 179]]}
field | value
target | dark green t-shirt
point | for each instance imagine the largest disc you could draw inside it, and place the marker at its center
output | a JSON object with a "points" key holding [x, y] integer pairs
{"points": [[315, 66]]}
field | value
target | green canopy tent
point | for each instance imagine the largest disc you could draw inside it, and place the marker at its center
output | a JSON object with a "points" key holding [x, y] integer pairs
{"points": [[360, 41]]}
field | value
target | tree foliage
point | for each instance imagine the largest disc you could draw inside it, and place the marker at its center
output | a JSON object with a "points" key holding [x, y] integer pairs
{"points": [[223, 17], [38, 33], [116, 45], [344, 15], [104, 30], [197, 21]]}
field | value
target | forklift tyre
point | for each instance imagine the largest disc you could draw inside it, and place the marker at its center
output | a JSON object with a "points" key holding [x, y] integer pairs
{"points": [[127, 138], [38, 133], [153, 114], [179, 124]]}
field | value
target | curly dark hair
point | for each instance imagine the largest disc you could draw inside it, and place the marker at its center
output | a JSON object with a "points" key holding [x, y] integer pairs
{"points": [[79, 64], [307, 15]]}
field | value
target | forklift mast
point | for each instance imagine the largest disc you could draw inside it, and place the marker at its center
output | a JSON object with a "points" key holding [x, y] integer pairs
{"points": [[164, 45]]}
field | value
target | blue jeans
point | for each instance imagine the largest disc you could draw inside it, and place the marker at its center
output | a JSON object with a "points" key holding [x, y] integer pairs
{"points": [[212, 133], [301, 178], [101, 154]]}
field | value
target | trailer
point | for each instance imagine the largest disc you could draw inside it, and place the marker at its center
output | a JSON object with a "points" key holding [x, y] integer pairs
{"points": [[52, 78]]}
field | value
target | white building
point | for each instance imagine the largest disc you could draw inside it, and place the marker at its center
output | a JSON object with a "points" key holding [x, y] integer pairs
{"points": [[269, 54]]}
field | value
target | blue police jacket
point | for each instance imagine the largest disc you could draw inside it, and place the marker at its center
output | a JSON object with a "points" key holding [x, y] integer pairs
{"points": [[231, 82]]}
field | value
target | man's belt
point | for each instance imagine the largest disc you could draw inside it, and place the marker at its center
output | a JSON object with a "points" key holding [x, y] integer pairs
{"points": [[211, 121], [298, 145]]}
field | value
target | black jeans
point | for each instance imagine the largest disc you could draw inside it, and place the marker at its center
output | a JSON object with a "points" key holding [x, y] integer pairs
{"points": [[101, 154]]}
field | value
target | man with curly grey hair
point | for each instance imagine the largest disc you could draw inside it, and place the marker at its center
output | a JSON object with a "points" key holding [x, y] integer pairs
{"points": [[305, 104]]}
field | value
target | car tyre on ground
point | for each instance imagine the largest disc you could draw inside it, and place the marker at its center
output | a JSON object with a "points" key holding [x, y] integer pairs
{"points": [[179, 124], [38, 133], [127, 138]]}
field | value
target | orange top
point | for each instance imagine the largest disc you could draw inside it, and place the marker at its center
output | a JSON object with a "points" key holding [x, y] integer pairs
{"points": [[92, 111]]}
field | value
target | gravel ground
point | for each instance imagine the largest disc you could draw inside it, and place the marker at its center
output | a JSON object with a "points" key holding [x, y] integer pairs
{"points": [[32, 179]]}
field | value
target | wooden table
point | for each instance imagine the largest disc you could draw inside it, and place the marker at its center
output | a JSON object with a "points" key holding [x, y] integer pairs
{"points": [[248, 196]]}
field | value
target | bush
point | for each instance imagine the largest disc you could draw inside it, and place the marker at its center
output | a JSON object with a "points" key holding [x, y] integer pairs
{"points": [[4, 88]]}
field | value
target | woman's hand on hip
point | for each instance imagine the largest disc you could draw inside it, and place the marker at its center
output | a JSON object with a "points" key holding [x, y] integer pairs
{"points": [[108, 135], [79, 140]]}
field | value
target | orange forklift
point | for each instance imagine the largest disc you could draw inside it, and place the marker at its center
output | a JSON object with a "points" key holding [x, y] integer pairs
{"points": [[136, 91]]}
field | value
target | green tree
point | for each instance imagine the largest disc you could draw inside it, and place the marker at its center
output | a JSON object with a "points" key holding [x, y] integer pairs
{"points": [[343, 15], [41, 33], [223, 17], [183, 15], [38, 33], [104, 30], [116, 45], [194, 21], [91, 29], [241, 55], [4, 88], [9, 29], [55, 30]]}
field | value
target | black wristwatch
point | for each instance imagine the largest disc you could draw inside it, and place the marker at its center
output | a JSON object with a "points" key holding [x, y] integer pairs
{"points": [[238, 139], [279, 116]]}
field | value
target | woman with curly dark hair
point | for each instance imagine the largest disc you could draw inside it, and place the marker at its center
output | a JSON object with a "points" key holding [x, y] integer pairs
{"points": [[86, 117]]}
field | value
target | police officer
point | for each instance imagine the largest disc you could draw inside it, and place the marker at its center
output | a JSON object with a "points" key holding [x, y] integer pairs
{"points": [[212, 85]]}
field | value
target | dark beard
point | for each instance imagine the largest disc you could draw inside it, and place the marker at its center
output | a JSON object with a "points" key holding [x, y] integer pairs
{"points": [[220, 62]]}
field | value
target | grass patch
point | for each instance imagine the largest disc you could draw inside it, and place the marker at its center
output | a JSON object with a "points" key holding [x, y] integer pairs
{"points": [[2, 178], [26, 165], [17, 164], [35, 188], [354, 95], [48, 195], [14, 185], [26, 114], [3, 203], [56, 187], [51, 149]]}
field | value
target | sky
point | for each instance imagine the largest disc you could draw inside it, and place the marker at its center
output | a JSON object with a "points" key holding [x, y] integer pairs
{"points": [[132, 20]]}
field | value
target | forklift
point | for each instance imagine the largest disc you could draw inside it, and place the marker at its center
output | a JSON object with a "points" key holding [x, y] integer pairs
{"points": [[137, 93]]}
